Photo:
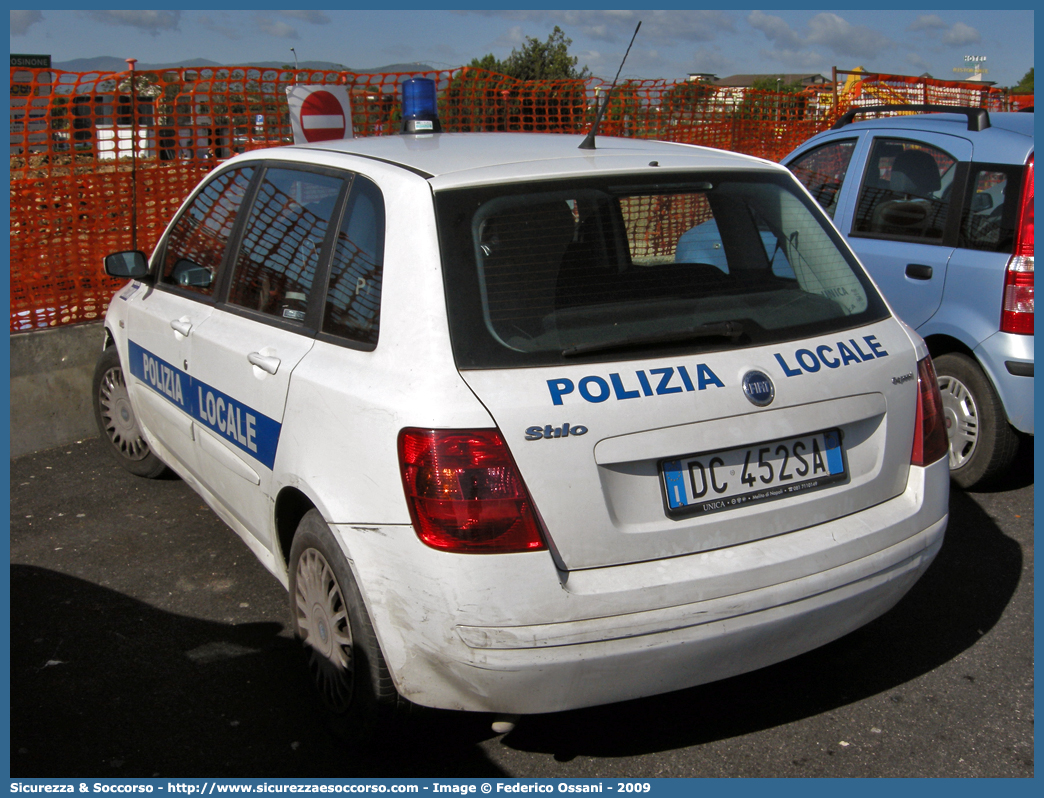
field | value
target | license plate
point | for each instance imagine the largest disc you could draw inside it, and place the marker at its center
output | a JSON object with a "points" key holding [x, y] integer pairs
{"points": [[723, 480]]}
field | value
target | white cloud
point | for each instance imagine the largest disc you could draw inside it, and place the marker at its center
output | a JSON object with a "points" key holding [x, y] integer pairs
{"points": [[278, 29], [663, 27], [152, 22], [594, 60], [21, 21], [918, 63], [314, 17], [712, 60], [512, 38], [956, 35], [961, 34], [679, 27], [846, 39], [928, 22], [795, 60], [799, 52], [222, 27], [775, 29]]}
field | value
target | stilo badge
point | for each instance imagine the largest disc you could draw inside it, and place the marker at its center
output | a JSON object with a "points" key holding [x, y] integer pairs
{"points": [[319, 113]]}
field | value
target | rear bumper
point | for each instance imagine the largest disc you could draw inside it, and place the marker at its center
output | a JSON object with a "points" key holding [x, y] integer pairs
{"points": [[509, 633], [1008, 361]]}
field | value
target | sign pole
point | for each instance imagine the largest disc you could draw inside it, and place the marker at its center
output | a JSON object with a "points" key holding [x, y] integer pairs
{"points": [[134, 151]]}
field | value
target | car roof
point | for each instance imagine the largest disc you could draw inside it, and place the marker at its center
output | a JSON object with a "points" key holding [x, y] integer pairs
{"points": [[1008, 139], [1019, 123], [1015, 122], [452, 159]]}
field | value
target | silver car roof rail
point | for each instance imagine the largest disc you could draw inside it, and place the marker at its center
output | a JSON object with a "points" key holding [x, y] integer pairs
{"points": [[978, 118]]}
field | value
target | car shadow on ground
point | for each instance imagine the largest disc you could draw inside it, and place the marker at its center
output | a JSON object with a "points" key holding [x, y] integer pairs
{"points": [[1019, 474], [958, 600], [104, 685]]}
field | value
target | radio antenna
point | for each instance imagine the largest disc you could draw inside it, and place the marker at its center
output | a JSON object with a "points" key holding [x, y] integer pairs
{"points": [[589, 142]]}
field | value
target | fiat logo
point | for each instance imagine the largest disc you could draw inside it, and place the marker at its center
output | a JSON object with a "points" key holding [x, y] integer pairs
{"points": [[758, 388]]}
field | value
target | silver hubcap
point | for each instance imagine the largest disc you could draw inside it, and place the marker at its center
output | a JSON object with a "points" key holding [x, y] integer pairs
{"points": [[962, 420], [322, 622], [118, 416]]}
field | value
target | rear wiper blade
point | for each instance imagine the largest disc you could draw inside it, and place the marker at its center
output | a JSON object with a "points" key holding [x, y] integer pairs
{"points": [[717, 329]]}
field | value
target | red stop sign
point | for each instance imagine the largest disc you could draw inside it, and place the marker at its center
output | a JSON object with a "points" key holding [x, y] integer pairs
{"points": [[322, 118]]}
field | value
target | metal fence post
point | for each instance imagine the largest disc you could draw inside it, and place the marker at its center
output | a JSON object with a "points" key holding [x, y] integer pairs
{"points": [[134, 150]]}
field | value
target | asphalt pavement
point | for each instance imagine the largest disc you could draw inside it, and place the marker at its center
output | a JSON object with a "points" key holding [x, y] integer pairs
{"points": [[146, 640]]}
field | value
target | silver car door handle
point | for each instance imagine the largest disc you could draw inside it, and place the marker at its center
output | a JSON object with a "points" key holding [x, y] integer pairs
{"points": [[918, 271], [182, 327], [264, 362]]}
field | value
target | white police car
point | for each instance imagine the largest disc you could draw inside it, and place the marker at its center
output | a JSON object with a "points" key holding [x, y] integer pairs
{"points": [[506, 450]]}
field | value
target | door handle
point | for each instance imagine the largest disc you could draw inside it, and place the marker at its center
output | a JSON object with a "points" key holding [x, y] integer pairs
{"points": [[918, 271], [181, 327], [264, 362]]}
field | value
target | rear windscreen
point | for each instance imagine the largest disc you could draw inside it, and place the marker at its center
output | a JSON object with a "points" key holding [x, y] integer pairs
{"points": [[554, 272]]}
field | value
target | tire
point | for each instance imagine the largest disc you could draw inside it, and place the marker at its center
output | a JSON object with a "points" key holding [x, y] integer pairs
{"points": [[116, 420], [982, 443], [331, 622]]}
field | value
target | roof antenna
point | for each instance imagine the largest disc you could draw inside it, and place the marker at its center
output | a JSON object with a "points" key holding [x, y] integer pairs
{"points": [[589, 142]]}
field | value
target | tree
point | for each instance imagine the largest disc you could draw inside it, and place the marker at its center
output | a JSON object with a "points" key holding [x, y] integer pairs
{"points": [[537, 60], [490, 63], [1024, 86], [764, 100], [685, 110], [536, 88], [774, 83]]}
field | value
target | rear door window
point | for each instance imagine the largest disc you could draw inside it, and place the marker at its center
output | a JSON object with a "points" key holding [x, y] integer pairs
{"points": [[283, 242], [353, 295], [991, 204]]}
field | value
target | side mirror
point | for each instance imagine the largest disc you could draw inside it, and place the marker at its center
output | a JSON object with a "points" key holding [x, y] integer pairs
{"points": [[191, 274], [131, 265]]}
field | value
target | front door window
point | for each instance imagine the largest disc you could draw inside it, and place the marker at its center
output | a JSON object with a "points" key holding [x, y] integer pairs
{"points": [[196, 245], [905, 192]]}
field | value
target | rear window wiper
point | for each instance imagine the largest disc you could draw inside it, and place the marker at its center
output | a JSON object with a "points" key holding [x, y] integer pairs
{"points": [[717, 329]]}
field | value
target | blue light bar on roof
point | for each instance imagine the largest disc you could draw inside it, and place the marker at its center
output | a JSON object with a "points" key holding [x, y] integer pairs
{"points": [[419, 111]]}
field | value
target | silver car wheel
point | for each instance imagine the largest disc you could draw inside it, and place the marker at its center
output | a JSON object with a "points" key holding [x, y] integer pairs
{"points": [[962, 419], [324, 628]]}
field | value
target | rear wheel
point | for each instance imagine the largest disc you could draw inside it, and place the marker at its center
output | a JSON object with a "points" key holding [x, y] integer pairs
{"points": [[330, 620], [982, 443], [116, 420]]}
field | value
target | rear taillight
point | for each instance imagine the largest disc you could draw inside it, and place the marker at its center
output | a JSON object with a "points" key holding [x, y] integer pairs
{"points": [[1017, 313], [465, 493], [930, 440]]}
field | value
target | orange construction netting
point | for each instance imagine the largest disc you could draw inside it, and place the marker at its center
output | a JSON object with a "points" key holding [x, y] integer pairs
{"points": [[93, 172]]}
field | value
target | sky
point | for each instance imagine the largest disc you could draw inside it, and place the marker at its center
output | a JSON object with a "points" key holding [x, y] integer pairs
{"points": [[671, 44]]}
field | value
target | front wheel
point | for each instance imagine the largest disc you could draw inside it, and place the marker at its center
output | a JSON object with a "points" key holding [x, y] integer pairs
{"points": [[982, 443], [117, 422], [330, 620]]}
